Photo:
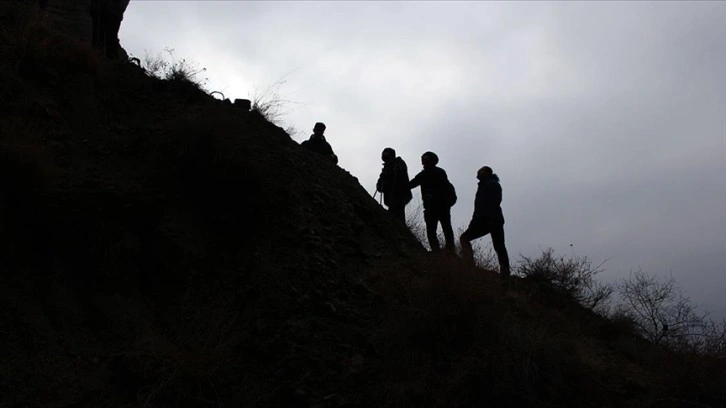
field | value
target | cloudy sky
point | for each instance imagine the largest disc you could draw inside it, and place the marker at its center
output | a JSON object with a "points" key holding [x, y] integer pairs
{"points": [[606, 122]]}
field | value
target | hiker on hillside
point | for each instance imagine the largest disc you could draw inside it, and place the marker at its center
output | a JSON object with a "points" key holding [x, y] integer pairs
{"points": [[438, 196], [317, 143], [393, 184], [487, 219]]}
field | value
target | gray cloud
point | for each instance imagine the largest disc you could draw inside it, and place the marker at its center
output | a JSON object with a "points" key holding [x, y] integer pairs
{"points": [[604, 120]]}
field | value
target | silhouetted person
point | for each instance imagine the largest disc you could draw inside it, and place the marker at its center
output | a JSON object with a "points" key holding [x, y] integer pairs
{"points": [[487, 219], [317, 143], [393, 184], [438, 198]]}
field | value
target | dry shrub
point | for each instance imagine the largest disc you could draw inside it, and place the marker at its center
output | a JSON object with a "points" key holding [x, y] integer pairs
{"points": [[268, 102], [569, 276], [663, 314], [165, 66]]}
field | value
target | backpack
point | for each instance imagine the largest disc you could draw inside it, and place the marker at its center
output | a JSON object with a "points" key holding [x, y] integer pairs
{"points": [[403, 181], [449, 194]]}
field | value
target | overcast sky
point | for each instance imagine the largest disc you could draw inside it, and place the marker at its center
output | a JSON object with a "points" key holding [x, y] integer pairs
{"points": [[606, 122]]}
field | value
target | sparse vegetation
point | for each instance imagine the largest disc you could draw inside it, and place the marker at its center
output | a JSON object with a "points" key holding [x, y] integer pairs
{"points": [[571, 276], [453, 337], [663, 314], [165, 66], [271, 105], [659, 309]]}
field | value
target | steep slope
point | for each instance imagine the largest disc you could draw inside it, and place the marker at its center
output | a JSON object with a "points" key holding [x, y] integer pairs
{"points": [[146, 229]]}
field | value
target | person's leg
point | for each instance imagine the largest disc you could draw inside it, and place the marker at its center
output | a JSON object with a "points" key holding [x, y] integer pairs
{"points": [[473, 232], [431, 224], [501, 250], [467, 252], [398, 212], [445, 217]]}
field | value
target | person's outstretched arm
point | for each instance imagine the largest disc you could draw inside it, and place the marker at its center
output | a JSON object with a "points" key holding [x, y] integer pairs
{"points": [[415, 182]]}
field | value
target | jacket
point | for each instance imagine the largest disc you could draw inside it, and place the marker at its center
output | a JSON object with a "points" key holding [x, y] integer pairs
{"points": [[487, 204], [393, 183], [317, 143], [434, 186]]}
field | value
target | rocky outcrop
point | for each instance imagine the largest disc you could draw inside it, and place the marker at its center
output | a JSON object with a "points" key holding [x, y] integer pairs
{"points": [[72, 16], [93, 21], [107, 16]]}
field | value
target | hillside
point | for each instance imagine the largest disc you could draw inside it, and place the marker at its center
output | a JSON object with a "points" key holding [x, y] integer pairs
{"points": [[160, 248]]}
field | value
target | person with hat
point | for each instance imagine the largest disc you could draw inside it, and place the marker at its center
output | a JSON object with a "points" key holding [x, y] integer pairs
{"points": [[393, 184], [318, 144], [438, 196], [487, 219]]}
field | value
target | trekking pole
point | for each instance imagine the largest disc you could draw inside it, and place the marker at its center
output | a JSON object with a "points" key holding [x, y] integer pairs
{"points": [[380, 195]]}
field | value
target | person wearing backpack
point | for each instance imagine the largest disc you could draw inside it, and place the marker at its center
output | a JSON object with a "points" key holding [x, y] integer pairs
{"points": [[318, 144], [487, 219], [438, 196], [393, 184]]}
